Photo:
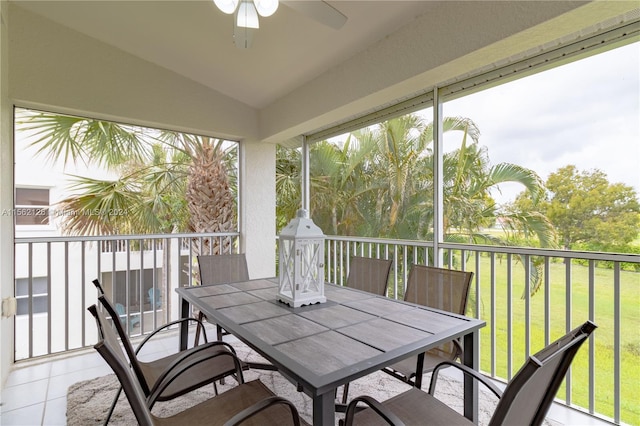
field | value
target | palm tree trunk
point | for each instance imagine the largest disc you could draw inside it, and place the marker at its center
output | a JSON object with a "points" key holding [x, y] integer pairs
{"points": [[208, 192]]}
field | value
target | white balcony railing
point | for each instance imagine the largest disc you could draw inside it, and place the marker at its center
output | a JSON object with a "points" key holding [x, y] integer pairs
{"points": [[53, 285], [140, 272], [573, 287]]}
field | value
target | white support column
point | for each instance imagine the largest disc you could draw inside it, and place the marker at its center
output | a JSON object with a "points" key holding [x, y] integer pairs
{"points": [[258, 207], [6, 199], [438, 192], [306, 188]]}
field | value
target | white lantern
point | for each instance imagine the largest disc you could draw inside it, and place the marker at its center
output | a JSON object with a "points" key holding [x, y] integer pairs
{"points": [[301, 254]]}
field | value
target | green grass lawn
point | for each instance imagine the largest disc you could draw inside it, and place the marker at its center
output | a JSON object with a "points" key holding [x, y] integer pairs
{"points": [[578, 306]]}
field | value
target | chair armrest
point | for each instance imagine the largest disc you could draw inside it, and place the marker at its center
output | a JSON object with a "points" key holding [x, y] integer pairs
{"points": [[182, 362], [260, 406], [466, 370], [380, 409], [178, 368], [189, 353], [167, 325]]}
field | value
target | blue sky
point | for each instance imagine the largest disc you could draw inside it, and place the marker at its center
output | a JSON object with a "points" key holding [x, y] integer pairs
{"points": [[586, 113]]}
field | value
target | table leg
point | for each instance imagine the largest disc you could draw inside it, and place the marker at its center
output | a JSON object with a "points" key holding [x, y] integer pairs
{"points": [[185, 309], [419, 371], [324, 409], [471, 358]]}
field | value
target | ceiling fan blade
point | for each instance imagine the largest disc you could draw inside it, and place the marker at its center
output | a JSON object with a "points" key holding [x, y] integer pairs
{"points": [[319, 11]]}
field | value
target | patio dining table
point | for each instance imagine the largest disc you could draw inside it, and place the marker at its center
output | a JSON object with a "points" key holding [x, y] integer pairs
{"points": [[323, 346]]}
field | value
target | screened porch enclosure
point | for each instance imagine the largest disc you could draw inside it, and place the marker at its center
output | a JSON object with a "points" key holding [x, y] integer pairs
{"points": [[302, 84]]}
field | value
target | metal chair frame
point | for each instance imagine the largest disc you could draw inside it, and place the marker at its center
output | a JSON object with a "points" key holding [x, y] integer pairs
{"points": [[162, 366], [224, 269], [440, 288], [525, 400], [367, 274], [248, 401]]}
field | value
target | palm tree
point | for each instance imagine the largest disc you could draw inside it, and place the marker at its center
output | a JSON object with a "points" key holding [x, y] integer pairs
{"points": [[339, 180], [288, 185], [379, 183], [165, 181], [397, 166]]}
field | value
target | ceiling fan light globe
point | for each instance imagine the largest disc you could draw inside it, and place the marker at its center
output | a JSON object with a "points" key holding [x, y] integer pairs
{"points": [[227, 6], [247, 16], [266, 7]]}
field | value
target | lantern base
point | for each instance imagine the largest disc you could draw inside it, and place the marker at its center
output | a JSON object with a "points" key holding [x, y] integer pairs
{"points": [[301, 301]]}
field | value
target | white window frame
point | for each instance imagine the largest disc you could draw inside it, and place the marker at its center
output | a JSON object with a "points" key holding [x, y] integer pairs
{"points": [[22, 210]]}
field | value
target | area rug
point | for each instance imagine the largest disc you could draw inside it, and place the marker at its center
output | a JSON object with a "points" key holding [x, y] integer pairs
{"points": [[88, 402]]}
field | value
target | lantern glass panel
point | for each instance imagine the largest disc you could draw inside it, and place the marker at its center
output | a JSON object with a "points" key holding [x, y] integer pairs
{"points": [[287, 271], [310, 262]]}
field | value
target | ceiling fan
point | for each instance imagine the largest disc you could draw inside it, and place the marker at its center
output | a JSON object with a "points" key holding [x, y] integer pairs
{"points": [[246, 13]]}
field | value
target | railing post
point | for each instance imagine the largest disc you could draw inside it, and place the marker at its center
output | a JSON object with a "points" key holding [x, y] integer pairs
{"points": [[174, 275], [438, 194]]}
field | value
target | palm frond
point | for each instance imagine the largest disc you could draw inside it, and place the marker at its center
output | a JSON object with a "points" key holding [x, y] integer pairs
{"points": [[100, 207], [56, 136], [506, 172]]}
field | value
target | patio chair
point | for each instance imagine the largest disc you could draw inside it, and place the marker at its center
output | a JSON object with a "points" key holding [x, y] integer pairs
{"points": [[525, 400], [221, 269], [367, 274], [224, 269], [132, 321], [249, 403], [149, 373], [154, 297], [439, 288]]}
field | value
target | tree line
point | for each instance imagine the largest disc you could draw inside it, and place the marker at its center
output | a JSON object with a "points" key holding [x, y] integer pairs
{"points": [[377, 182]]}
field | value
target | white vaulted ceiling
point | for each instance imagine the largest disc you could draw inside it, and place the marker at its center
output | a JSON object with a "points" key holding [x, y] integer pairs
{"points": [[300, 75]]}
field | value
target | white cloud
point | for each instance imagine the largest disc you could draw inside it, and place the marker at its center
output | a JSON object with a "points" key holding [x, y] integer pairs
{"points": [[586, 113]]}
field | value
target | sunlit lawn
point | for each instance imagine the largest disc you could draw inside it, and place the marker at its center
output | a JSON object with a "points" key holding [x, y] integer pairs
{"points": [[578, 305]]}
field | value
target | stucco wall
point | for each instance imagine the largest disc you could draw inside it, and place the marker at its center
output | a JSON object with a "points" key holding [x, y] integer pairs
{"points": [[6, 199], [258, 186]]}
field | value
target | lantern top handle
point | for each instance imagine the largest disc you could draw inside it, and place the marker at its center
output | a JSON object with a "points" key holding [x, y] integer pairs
{"points": [[301, 226]]}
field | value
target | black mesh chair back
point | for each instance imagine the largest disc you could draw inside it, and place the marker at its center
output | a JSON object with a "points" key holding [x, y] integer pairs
{"points": [[124, 338], [110, 349], [528, 396], [439, 288], [369, 274], [222, 269]]}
